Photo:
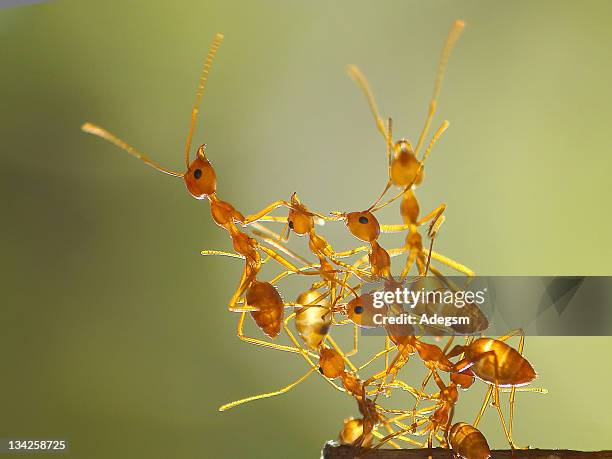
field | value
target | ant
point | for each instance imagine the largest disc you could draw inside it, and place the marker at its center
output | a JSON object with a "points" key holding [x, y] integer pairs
{"points": [[405, 170], [467, 441], [201, 182], [500, 366]]}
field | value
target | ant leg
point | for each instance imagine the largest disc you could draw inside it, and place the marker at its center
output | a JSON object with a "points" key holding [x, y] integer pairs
{"points": [[283, 390], [453, 35], [409, 263], [279, 246], [450, 263], [263, 231], [287, 264], [497, 404], [518, 332], [243, 284], [358, 272], [355, 342], [521, 346], [434, 373], [421, 263], [395, 228], [275, 256], [348, 253], [259, 342], [387, 347], [437, 212], [442, 277], [401, 433], [399, 384], [266, 210], [289, 272], [271, 218], [376, 357], [305, 354], [406, 414], [495, 390], [485, 403]]}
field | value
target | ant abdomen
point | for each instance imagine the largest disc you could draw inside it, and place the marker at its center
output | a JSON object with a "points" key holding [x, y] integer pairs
{"points": [[352, 430], [265, 297], [468, 441], [497, 363], [331, 364]]}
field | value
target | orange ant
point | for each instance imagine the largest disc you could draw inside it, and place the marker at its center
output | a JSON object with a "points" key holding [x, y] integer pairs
{"points": [[468, 442], [262, 299], [353, 430], [498, 365], [406, 170]]}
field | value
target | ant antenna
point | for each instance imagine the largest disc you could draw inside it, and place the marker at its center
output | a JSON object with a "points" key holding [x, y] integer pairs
{"points": [[453, 35], [361, 81], [433, 140], [389, 148], [104, 134], [390, 143], [434, 227], [200, 92]]}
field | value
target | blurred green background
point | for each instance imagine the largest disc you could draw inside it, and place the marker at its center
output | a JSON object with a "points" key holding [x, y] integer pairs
{"points": [[114, 331]]}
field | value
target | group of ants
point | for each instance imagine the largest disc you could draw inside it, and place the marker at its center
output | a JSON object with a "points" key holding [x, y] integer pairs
{"points": [[333, 301]]}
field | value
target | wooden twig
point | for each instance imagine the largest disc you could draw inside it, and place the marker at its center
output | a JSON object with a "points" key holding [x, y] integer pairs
{"points": [[332, 451]]}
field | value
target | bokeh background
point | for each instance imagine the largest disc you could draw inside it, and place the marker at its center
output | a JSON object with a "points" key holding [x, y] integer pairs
{"points": [[114, 332]]}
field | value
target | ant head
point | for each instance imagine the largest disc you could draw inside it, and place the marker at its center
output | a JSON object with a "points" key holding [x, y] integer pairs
{"points": [[331, 364], [402, 146], [200, 178], [361, 311], [405, 165], [299, 219], [363, 225]]}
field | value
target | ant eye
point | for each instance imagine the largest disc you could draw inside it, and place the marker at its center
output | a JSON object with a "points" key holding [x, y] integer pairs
{"points": [[363, 220], [197, 173], [358, 309], [291, 224]]}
